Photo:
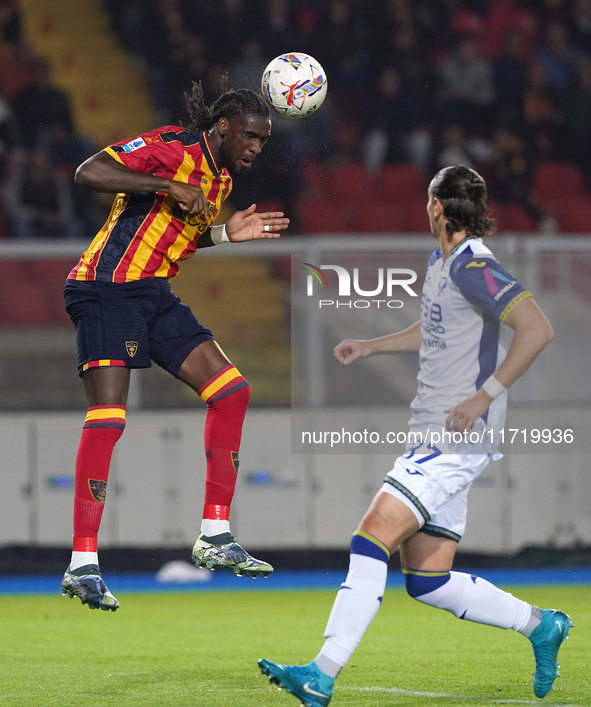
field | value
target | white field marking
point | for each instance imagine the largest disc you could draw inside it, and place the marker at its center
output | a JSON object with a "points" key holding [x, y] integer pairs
{"points": [[484, 700]]}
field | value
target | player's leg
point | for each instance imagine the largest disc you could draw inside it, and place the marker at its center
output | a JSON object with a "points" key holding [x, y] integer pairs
{"points": [[426, 563], [218, 382], [387, 522], [106, 390], [111, 337]]}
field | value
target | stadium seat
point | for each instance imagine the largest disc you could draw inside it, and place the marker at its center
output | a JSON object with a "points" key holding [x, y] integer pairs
{"points": [[379, 216], [498, 213], [325, 216], [350, 183], [554, 181], [399, 183], [24, 305], [517, 219], [415, 217], [316, 178], [576, 214]]}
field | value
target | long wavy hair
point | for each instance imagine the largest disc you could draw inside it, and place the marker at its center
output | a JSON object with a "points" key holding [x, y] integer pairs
{"points": [[462, 193], [230, 104]]}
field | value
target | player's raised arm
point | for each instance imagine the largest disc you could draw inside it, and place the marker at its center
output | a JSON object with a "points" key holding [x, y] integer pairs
{"points": [[406, 341], [249, 225], [104, 173]]}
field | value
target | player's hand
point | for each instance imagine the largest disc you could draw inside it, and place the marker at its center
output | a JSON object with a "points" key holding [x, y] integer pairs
{"points": [[462, 416], [249, 225], [190, 197], [350, 350]]}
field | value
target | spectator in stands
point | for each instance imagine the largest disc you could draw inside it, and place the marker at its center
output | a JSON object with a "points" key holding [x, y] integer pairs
{"points": [[10, 139], [40, 105], [17, 70], [393, 115], [11, 21], [578, 118], [278, 29], [559, 57], [67, 150], [344, 54], [541, 104], [455, 148], [509, 70], [246, 72], [510, 175], [578, 22], [466, 89], [39, 200]]}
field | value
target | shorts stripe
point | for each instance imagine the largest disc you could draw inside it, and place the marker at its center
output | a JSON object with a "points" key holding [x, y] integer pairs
{"points": [[444, 532], [411, 497], [102, 363]]}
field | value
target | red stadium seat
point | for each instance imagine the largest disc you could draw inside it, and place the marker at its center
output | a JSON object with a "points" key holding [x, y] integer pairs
{"points": [[576, 215], [399, 183], [416, 218], [24, 305], [517, 219], [351, 183], [554, 181], [325, 216], [498, 213], [378, 216], [316, 178]]}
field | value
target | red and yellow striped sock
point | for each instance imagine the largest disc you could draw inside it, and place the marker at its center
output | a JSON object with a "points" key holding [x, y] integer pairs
{"points": [[103, 426], [227, 394]]}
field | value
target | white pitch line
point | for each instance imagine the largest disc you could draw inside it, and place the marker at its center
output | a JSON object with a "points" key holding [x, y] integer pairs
{"points": [[493, 700]]}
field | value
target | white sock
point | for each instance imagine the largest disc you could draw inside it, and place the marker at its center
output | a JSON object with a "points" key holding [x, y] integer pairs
{"points": [[210, 527], [79, 559], [355, 606], [474, 599]]}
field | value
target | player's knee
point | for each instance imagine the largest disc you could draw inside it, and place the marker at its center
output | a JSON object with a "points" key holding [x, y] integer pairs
{"points": [[227, 389], [421, 583], [236, 398]]}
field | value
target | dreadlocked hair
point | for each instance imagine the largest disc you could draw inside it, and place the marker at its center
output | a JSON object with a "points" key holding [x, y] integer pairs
{"points": [[230, 104], [462, 193]]}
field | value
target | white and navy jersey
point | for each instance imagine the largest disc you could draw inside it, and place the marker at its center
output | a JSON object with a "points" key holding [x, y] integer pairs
{"points": [[463, 340]]}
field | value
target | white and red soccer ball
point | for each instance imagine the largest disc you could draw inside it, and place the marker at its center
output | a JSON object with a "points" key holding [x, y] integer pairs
{"points": [[294, 85]]}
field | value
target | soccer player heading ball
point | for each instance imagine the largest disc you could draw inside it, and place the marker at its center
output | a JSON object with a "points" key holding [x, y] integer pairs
{"points": [[170, 185], [421, 508]]}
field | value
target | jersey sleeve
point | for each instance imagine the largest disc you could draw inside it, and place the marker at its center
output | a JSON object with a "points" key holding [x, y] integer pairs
{"points": [[148, 154], [487, 285]]}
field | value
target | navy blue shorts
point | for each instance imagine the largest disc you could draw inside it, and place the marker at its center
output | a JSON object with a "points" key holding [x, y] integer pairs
{"points": [[131, 323]]}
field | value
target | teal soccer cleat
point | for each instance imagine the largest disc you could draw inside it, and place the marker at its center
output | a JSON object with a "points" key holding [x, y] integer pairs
{"points": [[546, 640], [87, 584], [308, 683], [223, 551]]}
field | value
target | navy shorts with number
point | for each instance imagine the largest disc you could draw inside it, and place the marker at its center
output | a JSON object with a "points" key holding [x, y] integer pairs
{"points": [[131, 323]]}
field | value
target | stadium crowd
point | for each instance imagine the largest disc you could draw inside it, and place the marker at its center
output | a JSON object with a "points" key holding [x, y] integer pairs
{"points": [[503, 86]]}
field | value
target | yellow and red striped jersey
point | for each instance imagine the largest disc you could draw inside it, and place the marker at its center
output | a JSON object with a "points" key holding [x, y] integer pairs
{"points": [[147, 234]]}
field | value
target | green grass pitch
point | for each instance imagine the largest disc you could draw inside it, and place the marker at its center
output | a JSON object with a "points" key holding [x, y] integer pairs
{"points": [[200, 650]]}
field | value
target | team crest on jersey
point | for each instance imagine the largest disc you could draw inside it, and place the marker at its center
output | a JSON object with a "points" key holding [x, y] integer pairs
{"points": [[134, 145], [235, 462], [198, 220], [131, 347], [98, 489]]}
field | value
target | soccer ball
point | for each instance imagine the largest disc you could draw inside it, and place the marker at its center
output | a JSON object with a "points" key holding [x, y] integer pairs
{"points": [[294, 85]]}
